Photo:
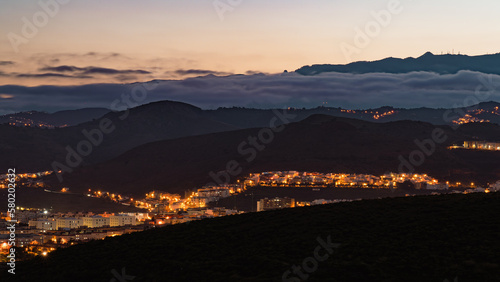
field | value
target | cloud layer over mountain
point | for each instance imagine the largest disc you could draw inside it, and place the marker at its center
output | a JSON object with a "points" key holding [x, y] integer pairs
{"points": [[415, 89]]}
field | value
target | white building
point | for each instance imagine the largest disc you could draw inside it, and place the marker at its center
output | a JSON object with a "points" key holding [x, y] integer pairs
{"points": [[89, 221], [321, 202], [96, 221], [213, 193], [91, 236], [495, 187], [121, 220], [44, 224], [68, 222], [437, 187], [476, 190]]}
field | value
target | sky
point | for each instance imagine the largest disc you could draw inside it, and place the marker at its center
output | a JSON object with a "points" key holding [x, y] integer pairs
{"points": [[80, 42], [161, 37]]}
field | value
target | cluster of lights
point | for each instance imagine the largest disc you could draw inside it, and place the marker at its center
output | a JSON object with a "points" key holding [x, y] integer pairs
{"points": [[348, 111], [163, 196], [378, 116], [21, 121], [481, 145], [28, 122], [472, 115], [351, 180], [469, 119], [4, 180], [375, 114], [117, 198], [495, 111]]}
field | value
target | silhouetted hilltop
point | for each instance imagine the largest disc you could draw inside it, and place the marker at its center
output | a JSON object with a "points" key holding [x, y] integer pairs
{"points": [[35, 149], [442, 64]]}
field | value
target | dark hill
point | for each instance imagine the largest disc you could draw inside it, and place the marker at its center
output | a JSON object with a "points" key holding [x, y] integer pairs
{"points": [[57, 119], [148, 123], [429, 238], [318, 143], [35, 149]]}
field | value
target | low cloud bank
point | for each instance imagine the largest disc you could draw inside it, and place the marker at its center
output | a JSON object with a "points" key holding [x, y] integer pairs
{"points": [[357, 91]]}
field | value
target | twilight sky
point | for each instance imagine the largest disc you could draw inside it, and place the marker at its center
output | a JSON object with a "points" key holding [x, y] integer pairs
{"points": [[142, 40]]}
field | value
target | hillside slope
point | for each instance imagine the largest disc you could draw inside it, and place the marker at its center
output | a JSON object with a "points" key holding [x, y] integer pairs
{"points": [[57, 119], [428, 238], [35, 149], [319, 143]]}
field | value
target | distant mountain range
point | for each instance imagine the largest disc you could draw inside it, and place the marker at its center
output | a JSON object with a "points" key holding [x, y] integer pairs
{"points": [[51, 120], [442, 64], [247, 117], [35, 149]]}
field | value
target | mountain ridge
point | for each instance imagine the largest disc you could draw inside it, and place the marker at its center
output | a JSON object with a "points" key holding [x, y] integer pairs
{"points": [[57, 119], [441, 64], [35, 149]]}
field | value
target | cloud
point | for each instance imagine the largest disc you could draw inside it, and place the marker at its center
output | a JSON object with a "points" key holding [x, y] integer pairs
{"points": [[44, 58], [62, 69], [5, 63], [126, 77], [92, 70], [97, 70], [355, 91], [251, 72], [41, 75], [199, 72], [104, 56], [103, 67]]}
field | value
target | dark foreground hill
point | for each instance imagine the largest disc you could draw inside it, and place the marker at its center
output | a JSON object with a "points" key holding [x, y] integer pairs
{"points": [[425, 238], [319, 143]]}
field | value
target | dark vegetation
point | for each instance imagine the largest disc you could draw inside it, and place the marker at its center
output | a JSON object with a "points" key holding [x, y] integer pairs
{"points": [[423, 238]]}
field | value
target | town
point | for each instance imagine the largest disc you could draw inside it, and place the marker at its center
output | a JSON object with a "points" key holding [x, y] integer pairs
{"points": [[41, 231]]}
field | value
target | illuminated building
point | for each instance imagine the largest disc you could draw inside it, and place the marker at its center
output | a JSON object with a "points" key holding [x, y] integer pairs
{"points": [[121, 220], [65, 222], [482, 145], [96, 221], [44, 224], [276, 203]]}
